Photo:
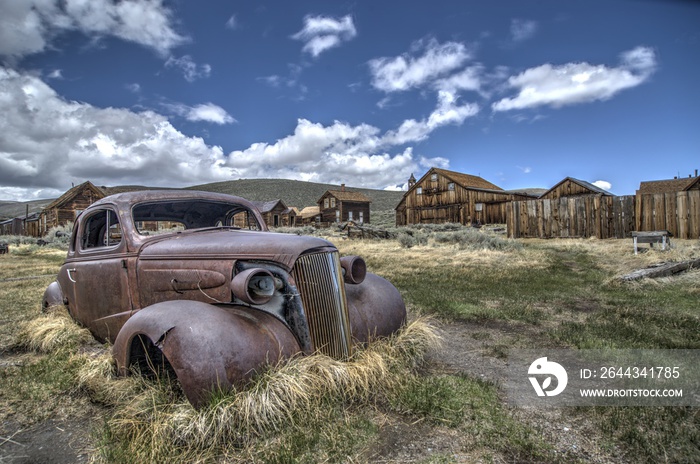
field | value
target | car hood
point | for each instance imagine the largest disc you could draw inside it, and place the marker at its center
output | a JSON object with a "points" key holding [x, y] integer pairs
{"points": [[232, 244]]}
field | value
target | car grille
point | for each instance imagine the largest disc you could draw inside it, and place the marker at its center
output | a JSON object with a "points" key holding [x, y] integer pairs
{"points": [[319, 280]]}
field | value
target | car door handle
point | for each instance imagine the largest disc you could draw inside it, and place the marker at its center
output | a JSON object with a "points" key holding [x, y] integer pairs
{"points": [[70, 276]]}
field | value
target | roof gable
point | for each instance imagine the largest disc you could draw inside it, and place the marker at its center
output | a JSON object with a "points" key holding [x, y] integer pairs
{"points": [[267, 206], [73, 192], [582, 183], [466, 181]]}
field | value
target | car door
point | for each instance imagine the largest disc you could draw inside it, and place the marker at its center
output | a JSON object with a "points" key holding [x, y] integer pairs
{"points": [[99, 275]]}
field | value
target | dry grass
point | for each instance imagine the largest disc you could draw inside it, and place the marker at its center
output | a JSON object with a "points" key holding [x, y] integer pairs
{"points": [[53, 332], [157, 421], [389, 257]]}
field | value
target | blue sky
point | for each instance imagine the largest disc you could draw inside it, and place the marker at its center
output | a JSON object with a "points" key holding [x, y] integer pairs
{"points": [[179, 93]]}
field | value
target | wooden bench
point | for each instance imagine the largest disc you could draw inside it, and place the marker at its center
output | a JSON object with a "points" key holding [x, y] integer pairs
{"points": [[656, 236]]}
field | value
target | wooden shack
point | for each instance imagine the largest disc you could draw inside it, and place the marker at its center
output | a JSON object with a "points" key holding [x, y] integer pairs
{"points": [[276, 213], [311, 215], [66, 208], [671, 204], [570, 187], [343, 206], [442, 196]]}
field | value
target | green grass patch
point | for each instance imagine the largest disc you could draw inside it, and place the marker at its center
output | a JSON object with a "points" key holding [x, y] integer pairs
{"points": [[473, 406]]}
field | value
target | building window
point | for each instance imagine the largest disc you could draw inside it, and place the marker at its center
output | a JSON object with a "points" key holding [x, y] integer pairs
{"points": [[350, 216], [325, 203], [419, 191], [433, 177], [337, 215], [362, 217], [451, 186], [332, 202]]}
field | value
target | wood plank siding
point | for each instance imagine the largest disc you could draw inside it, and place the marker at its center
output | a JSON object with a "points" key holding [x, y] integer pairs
{"points": [[343, 206], [442, 196], [601, 216], [67, 207]]}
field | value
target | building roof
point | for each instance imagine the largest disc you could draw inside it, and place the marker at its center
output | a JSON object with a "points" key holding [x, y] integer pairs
{"points": [[465, 180], [668, 185], [344, 195], [73, 192], [267, 206], [582, 183], [310, 211]]}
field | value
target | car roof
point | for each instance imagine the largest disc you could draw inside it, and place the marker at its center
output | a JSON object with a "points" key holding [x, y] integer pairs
{"points": [[127, 199]]}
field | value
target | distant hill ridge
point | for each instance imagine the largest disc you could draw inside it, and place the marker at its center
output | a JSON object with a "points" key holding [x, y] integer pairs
{"points": [[293, 192], [296, 192]]}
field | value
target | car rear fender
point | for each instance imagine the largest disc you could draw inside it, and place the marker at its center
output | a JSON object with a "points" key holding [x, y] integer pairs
{"points": [[53, 296], [209, 347]]}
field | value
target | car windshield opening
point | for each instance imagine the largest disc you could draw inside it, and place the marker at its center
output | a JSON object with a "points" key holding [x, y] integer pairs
{"points": [[173, 216]]}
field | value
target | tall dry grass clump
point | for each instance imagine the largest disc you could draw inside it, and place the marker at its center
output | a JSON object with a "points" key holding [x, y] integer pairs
{"points": [[159, 424], [52, 332]]}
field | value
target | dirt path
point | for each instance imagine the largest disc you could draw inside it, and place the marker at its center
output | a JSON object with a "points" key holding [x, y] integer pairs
{"points": [[478, 350]]}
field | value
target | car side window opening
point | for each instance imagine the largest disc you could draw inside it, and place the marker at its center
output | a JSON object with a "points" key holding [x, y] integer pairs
{"points": [[101, 229]]}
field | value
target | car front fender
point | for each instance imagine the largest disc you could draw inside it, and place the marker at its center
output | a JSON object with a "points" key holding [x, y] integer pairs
{"points": [[209, 347], [375, 307]]}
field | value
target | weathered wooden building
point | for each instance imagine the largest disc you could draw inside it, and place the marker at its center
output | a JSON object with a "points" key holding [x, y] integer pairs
{"points": [[672, 204], [343, 205], [66, 208], [310, 215], [23, 225], [277, 214], [570, 187], [446, 196]]}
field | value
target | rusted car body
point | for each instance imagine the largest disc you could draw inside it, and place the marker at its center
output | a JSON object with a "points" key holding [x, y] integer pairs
{"points": [[195, 283]]}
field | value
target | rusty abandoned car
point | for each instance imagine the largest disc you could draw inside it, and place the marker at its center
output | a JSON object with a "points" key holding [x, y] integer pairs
{"points": [[195, 284]]}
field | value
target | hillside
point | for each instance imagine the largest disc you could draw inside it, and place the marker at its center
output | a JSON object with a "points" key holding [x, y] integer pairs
{"points": [[11, 209], [292, 192], [295, 193]]}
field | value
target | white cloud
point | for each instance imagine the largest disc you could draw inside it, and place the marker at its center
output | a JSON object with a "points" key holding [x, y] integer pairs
{"points": [[469, 79], [49, 142], [446, 112], [339, 153], [190, 70], [232, 22], [209, 112], [573, 83], [321, 33], [28, 26], [405, 72], [522, 29], [604, 184], [55, 74], [133, 87]]}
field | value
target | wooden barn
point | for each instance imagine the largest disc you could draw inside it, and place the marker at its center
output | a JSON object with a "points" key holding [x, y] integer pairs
{"points": [[67, 207], [276, 213], [570, 187], [343, 205], [671, 204], [446, 196]]}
